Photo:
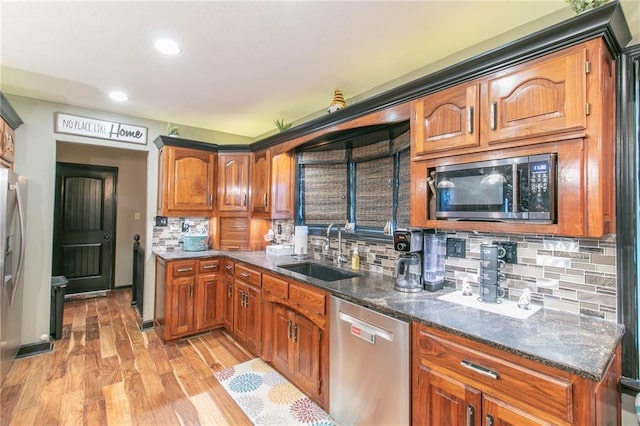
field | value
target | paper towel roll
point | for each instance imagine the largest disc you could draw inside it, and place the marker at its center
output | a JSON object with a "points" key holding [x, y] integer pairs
{"points": [[300, 240]]}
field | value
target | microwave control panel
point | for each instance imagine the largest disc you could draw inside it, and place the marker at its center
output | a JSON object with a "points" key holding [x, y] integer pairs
{"points": [[541, 193]]}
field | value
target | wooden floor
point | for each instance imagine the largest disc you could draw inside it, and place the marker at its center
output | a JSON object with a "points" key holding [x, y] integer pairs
{"points": [[105, 371]]}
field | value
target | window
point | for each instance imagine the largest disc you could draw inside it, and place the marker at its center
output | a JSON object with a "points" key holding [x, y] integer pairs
{"points": [[364, 180]]}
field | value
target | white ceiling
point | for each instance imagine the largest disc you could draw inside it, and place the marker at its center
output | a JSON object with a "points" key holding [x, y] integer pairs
{"points": [[244, 64]]}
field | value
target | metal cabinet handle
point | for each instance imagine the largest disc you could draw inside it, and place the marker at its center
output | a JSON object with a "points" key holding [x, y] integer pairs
{"points": [[471, 414], [228, 267], [488, 421], [209, 266], [211, 199], [265, 199], [492, 115], [184, 269], [295, 332], [244, 200], [190, 290], [245, 275], [229, 290], [470, 120], [480, 369], [246, 300], [289, 329]]}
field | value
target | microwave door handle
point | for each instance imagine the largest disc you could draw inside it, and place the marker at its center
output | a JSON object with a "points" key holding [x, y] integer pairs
{"points": [[516, 187]]}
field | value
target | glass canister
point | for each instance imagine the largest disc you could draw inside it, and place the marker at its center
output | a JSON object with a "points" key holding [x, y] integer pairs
{"points": [[435, 250]]}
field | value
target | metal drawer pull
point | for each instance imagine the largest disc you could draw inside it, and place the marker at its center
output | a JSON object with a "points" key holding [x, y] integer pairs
{"points": [[209, 266], [228, 267], [492, 115], [265, 198], [471, 415], [470, 120], [184, 269], [244, 274], [289, 325], [295, 332], [488, 421], [479, 369]]}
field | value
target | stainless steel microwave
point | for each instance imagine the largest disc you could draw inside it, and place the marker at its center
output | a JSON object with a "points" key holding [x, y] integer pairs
{"points": [[510, 189]]}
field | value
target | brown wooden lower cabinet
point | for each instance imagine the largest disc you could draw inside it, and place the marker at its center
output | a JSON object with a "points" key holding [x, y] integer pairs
{"points": [[461, 382], [227, 315], [296, 335], [188, 297], [247, 308]]}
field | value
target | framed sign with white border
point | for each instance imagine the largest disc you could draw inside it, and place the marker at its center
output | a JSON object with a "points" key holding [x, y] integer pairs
{"points": [[100, 129]]}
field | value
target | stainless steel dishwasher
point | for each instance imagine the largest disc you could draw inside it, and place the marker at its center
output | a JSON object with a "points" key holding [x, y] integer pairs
{"points": [[369, 367]]}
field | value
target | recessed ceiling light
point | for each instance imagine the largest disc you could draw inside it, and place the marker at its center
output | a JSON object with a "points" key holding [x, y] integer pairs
{"points": [[118, 96], [167, 46]]}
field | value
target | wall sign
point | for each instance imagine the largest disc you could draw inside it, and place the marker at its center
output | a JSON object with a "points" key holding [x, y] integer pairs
{"points": [[101, 129]]}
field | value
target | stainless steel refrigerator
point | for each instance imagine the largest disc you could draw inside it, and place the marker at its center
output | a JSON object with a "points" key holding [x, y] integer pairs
{"points": [[13, 191]]}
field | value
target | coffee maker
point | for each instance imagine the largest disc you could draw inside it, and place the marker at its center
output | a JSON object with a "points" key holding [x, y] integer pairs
{"points": [[408, 272]]}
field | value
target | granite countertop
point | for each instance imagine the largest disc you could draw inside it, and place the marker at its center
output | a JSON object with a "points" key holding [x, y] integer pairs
{"points": [[578, 344]]}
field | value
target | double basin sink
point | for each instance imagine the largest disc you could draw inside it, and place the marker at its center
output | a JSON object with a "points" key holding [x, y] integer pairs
{"points": [[319, 271]]}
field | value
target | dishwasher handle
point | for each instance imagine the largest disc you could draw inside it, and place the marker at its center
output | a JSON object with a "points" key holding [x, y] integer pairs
{"points": [[365, 330]]}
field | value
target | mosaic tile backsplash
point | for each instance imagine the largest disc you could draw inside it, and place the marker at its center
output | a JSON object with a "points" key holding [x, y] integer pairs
{"points": [[170, 237], [568, 274]]}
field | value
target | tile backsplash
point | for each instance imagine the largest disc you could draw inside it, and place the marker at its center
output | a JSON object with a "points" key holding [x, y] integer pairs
{"points": [[568, 274], [170, 237]]}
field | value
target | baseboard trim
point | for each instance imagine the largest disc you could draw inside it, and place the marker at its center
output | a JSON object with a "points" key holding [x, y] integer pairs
{"points": [[146, 324], [34, 349]]}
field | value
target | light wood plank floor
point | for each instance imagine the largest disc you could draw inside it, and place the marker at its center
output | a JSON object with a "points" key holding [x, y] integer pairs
{"points": [[105, 371]]}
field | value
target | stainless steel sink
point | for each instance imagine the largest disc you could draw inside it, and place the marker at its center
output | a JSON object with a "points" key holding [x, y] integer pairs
{"points": [[318, 271]]}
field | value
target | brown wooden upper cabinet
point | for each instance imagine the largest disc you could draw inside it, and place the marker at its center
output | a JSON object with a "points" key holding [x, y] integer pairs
{"points": [[446, 120], [562, 103], [523, 103], [233, 182], [186, 182], [272, 185]]}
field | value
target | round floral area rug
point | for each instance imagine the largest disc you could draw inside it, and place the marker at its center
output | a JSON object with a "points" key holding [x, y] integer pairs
{"points": [[267, 398]]}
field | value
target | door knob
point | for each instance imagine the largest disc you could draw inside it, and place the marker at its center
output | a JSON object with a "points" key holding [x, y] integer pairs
{"points": [[107, 237]]}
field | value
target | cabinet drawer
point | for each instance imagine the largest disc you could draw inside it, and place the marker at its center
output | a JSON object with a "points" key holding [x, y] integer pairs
{"points": [[275, 286], [229, 267], [513, 383], [248, 275], [183, 268], [208, 265], [307, 298]]}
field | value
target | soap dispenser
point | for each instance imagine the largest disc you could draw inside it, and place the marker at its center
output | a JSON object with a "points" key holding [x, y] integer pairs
{"points": [[355, 259]]}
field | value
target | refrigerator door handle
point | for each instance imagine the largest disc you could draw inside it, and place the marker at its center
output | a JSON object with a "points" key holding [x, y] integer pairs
{"points": [[23, 245]]}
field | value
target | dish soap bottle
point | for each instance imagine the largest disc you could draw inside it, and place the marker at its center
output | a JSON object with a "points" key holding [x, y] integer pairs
{"points": [[355, 259]]}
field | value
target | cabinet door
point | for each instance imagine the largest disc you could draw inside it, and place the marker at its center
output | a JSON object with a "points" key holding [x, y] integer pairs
{"points": [[452, 402], [228, 305], [239, 311], [446, 120], [208, 305], [253, 308], [282, 331], [261, 182], [190, 180], [306, 337], [535, 100], [498, 413], [282, 186], [180, 317], [233, 182], [234, 233]]}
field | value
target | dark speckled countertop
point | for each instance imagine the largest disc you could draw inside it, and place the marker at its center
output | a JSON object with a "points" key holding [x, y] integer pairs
{"points": [[579, 344]]}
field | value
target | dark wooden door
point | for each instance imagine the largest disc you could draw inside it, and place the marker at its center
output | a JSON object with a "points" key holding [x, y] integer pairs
{"points": [[84, 226]]}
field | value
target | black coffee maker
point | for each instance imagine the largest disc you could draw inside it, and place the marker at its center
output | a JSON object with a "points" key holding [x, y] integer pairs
{"points": [[408, 272]]}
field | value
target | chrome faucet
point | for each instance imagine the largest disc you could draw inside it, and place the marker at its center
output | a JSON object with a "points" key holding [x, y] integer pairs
{"points": [[339, 258]]}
